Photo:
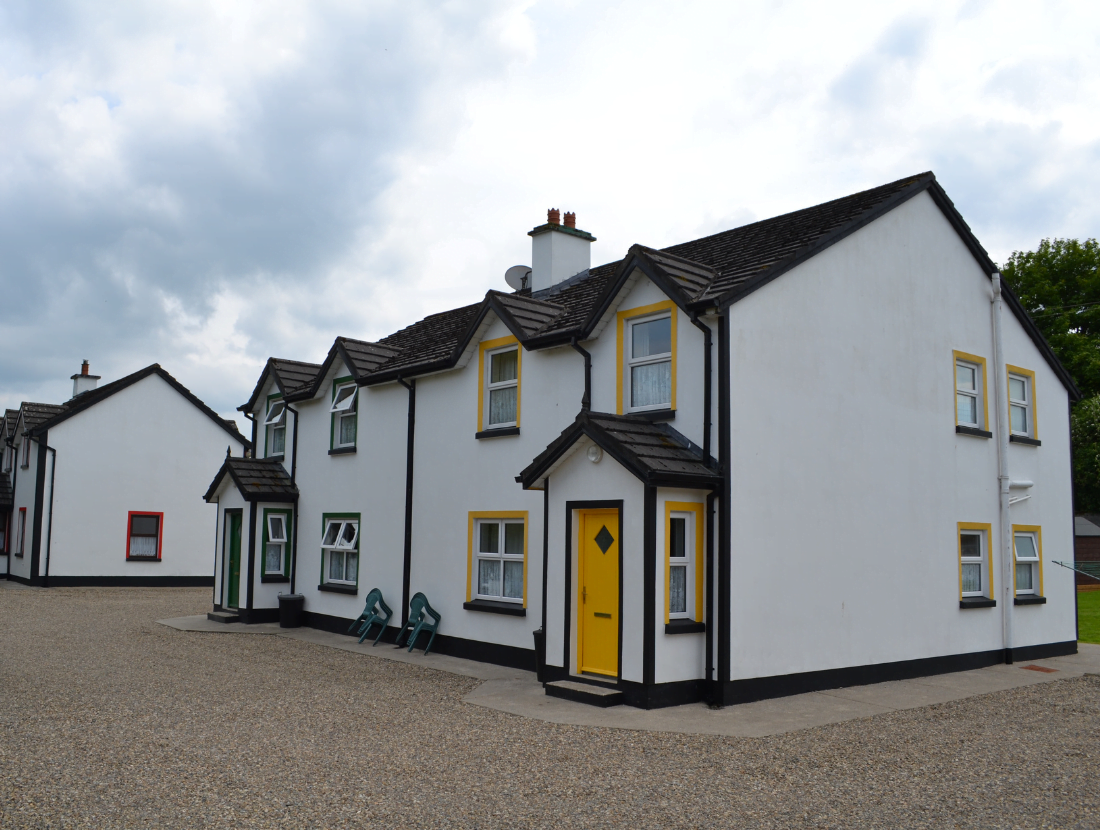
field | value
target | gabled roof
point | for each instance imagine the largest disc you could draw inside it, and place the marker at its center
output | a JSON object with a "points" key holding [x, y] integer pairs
{"points": [[360, 356], [291, 376], [6, 497], [85, 400], [656, 453], [11, 417], [36, 414], [257, 479]]}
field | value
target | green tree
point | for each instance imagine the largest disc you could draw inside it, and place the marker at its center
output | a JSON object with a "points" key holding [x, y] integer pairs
{"points": [[1059, 285]]}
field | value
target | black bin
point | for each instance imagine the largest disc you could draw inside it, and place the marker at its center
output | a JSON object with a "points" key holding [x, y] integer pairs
{"points": [[290, 610], [540, 654]]}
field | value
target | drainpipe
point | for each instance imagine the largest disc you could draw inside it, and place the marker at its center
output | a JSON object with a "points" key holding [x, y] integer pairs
{"points": [[709, 583], [406, 567], [586, 399], [724, 563], [49, 517], [252, 418], [1002, 467], [11, 520], [703, 327], [293, 480]]}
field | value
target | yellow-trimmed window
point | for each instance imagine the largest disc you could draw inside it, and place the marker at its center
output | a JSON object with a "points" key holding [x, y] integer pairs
{"points": [[975, 560], [496, 568], [646, 352], [1021, 402], [498, 384], [971, 402], [1027, 544], [684, 561]]}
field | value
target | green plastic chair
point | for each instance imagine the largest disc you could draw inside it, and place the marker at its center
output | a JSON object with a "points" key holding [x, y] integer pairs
{"points": [[419, 610], [372, 615]]}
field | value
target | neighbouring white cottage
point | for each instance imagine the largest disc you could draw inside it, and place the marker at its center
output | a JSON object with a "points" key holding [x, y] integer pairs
{"points": [[102, 489], [824, 449]]}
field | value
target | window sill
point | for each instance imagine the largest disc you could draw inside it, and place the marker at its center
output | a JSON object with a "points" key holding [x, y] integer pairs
{"points": [[142, 558], [341, 450], [655, 415], [338, 589], [977, 433], [492, 607], [1030, 599], [274, 457], [1023, 439], [274, 578], [977, 602], [684, 627], [497, 433]]}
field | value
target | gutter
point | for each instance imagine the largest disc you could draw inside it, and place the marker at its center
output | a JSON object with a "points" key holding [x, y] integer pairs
{"points": [[1003, 481], [406, 566]]}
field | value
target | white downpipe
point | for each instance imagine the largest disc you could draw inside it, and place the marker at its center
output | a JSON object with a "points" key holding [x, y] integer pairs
{"points": [[1003, 482]]}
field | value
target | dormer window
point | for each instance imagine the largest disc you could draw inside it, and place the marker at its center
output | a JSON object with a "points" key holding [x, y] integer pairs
{"points": [[276, 428], [344, 414]]}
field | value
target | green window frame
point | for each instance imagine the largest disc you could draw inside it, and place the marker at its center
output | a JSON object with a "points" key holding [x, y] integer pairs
{"points": [[328, 551], [281, 574], [336, 418], [270, 428]]}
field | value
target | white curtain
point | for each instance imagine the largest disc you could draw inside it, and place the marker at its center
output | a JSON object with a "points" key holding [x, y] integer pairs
{"points": [[502, 406], [143, 546], [677, 589], [651, 385]]}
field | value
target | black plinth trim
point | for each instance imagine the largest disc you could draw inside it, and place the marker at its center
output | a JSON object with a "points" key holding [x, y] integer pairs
{"points": [[129, 581], [684, 627], [977, 433], [977, 602], [491, 607], [497, 433]]}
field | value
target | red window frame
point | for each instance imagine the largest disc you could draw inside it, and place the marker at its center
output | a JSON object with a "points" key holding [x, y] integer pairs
{"points": [[160, 535], [22, 530]]}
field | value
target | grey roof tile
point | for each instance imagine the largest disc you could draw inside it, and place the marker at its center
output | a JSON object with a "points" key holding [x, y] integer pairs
{"points": [[257, 479]]}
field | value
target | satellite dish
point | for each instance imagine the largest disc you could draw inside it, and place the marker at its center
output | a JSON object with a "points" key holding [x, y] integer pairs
{"points": [[518, 276]]}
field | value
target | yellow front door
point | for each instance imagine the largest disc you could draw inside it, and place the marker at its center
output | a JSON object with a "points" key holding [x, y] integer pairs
{"points": [[598, 593]]}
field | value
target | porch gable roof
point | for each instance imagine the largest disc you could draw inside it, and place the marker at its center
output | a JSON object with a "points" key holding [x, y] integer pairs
{"points": [[257, 479]]}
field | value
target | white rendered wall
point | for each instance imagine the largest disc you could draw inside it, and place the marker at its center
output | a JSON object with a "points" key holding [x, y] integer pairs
{"points": [[145, 448], [678, 656], [848, 476]]}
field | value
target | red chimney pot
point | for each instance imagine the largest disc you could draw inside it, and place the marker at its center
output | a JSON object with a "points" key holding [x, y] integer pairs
{"points": [[553, 217], [570, 220]]}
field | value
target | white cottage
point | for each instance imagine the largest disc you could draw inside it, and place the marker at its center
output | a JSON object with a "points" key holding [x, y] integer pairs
{"points": [[102, 488], [800, 454]]}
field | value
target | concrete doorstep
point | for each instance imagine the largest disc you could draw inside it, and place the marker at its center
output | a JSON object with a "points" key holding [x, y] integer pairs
{"points": [[519, 693]]}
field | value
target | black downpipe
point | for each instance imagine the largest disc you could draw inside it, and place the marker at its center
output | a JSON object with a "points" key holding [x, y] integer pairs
{"points": [[545, 549], [649, 587], [252, 418], [1072, 518], [11, 515], [39, 496], [49, 516], [586, 399], [724, 531], [293, 481], [217, 552], [251, 554], [706, 381], [406, 568], [709, 609]]}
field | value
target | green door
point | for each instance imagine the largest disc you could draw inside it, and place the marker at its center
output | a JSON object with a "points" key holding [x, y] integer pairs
{"points": [[234, 531]]}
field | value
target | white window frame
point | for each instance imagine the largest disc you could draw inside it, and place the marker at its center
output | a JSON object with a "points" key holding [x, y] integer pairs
{"points": [[629, 361], [975, 393], [491, 387], [342, 547], [501, 557], [687, 562], [1032, 561], [282, 542], [342, 408], [275, 423], [1025, 404], [980, 560]]}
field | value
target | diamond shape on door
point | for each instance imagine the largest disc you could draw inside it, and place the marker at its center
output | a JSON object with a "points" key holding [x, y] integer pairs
{"points": [[604, 539]]}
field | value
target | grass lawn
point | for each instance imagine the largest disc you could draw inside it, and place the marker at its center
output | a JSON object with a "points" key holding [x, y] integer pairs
{"points": [[1088, 616]]}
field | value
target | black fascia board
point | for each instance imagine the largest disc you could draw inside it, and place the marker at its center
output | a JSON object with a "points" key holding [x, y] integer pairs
{"points": [[91, 398], [262, 497], [773, 272], [255, 396], [309, 392], [506, 317]]}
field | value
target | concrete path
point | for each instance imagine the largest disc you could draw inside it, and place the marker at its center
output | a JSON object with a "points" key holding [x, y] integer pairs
{"points": [[517, 692]]}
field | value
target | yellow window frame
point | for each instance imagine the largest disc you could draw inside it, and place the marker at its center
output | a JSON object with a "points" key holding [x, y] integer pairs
{"points": [[980, 361], [474, 515], [988, 529], [1038, 531], [1033, 403], [489, 346], [630, 314], [685, 507]]}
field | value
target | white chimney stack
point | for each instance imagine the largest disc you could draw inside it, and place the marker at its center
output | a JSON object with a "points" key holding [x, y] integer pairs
{"points": [[84, 382], [558, 251]]}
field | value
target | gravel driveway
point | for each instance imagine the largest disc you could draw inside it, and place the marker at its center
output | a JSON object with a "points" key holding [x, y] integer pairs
{"points": [[108, 719]]}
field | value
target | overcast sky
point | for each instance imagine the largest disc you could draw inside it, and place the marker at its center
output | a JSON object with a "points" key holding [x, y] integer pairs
{"points": [[205, 185]]}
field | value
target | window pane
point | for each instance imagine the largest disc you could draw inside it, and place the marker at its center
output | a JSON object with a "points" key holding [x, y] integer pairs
{"points": [[651, 385], [972, 578], [143, 525], [502, 405], [332, 533], [677, 589], [503, 366], [490, 537], [513, 538], [344, 398], [278, 440], [488, 577], [276, 529], [1025, 547], [965, 377], [347, 536], [1023, 578], [335, 564], [350, 561], [273, 562], [652, 337], [1019, 418], [513, 580], [275, 414], [967, 409], [677, 539], [139, 545], [1017, 389], [347, 429], [971, 545]]}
